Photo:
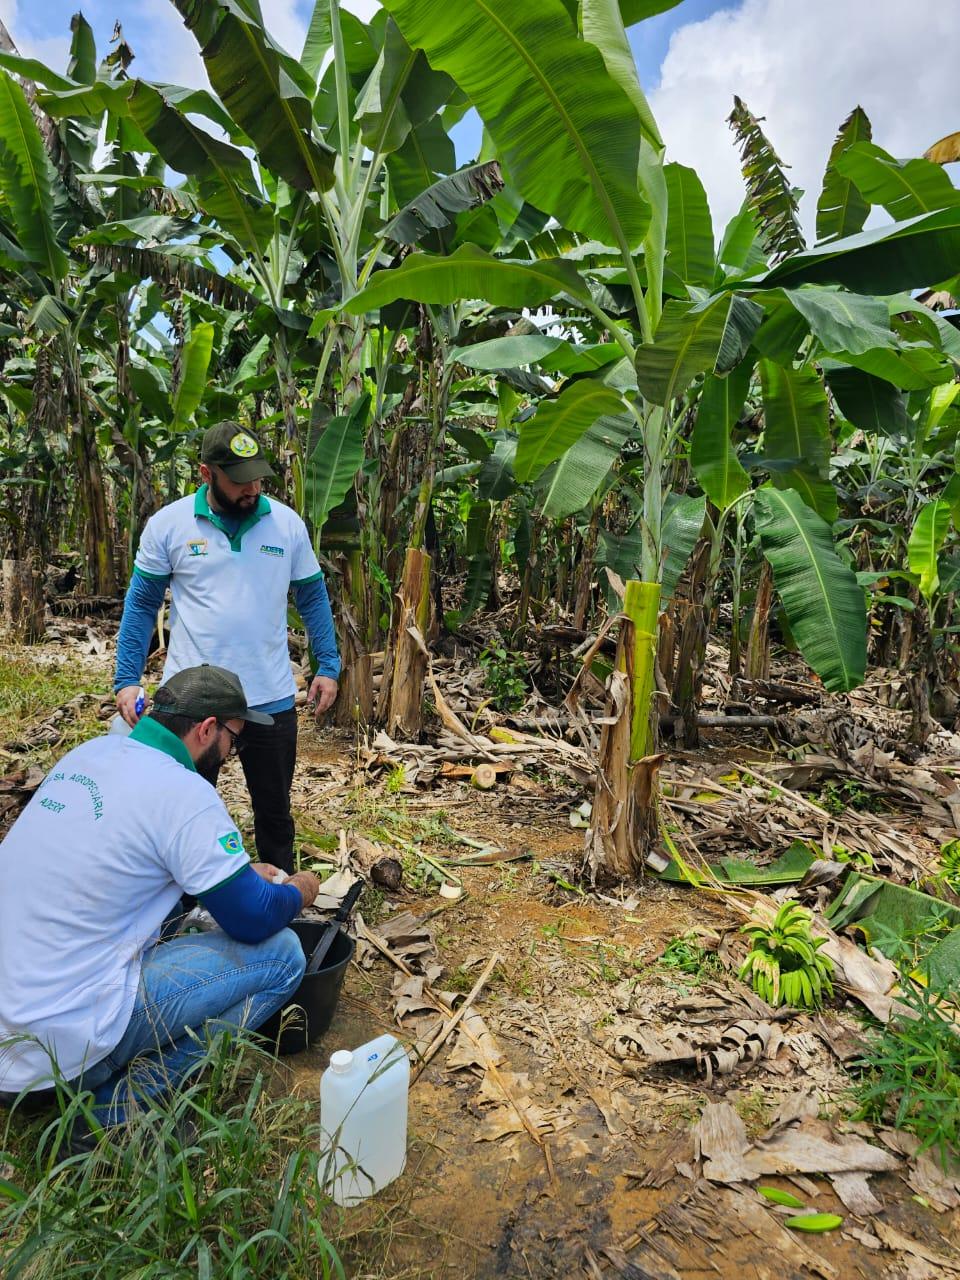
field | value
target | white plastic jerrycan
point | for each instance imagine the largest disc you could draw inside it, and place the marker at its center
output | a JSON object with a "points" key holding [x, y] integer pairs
{"points": [[363, 1117]]}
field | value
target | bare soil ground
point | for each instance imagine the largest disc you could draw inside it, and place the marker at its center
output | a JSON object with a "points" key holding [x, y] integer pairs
{"points": [[539, 1148], [600, 1192]]}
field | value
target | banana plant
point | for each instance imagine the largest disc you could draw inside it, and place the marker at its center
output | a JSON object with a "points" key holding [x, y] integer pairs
{"points": [[55, 292], [595, 164]]}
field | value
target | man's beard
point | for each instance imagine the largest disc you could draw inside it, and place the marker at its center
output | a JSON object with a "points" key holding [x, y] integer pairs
{"points": [[209, 761], [242, 506]]}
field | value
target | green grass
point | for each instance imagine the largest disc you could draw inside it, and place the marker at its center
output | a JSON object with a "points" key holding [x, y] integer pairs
{"points": [[911, 1073], [839, 796], [31, 692], [685, 954], [240, 1202]]}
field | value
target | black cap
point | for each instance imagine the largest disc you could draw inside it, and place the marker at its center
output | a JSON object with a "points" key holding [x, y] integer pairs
{"points": [[236, 451], [208, 691]]}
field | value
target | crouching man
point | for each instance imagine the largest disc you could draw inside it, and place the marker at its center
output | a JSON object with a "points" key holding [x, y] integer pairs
{"points": [[90, 871]]}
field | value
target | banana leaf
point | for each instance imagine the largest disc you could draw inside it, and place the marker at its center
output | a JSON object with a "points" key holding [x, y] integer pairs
{"points": [[27, 181], [824, 603], [564, 129], [926, 538], [471, 273], [193, 377], [334, 462], [558, 425]]}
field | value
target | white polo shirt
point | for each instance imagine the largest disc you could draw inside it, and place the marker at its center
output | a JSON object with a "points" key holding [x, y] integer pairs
{"points": [[117, 830], [229, 594]]}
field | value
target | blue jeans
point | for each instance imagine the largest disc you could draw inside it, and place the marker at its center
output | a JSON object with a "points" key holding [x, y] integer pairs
{"points": [[194, 982]]}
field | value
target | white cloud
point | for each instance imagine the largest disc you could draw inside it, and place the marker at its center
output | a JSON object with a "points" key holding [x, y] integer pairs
{"points": [[54, 51], [804, 64], [285, 23], [169, 53], [287, 20], [364, 9]]}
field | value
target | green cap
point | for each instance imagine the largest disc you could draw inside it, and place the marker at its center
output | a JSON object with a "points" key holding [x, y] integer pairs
{"points": [[236, 451], [207, 691]]}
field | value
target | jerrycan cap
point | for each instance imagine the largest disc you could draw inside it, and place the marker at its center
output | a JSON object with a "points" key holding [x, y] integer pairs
{"points": [[341, 1061]]}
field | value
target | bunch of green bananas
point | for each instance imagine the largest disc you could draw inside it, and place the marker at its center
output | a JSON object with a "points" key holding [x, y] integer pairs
{"points": [[784, 964], [950, 864]]}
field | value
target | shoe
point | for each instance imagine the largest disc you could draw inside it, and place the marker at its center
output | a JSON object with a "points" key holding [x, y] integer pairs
{"points": [[80, 1141]]}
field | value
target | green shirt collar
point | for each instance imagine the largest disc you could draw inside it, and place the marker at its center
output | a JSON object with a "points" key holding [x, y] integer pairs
{"points": [[201, 507], [153, 734]]}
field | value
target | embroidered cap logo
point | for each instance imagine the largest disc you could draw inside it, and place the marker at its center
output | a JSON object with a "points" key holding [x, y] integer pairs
{"points": [[244, 446]]}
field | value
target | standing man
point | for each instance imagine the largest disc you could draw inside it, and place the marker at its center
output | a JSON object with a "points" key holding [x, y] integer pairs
{"points": [[92, 868], [230, 557]]}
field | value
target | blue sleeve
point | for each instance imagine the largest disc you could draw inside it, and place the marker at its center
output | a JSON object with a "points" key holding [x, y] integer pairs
{"points": [[250, 908], [144, 597], [313, 606]]}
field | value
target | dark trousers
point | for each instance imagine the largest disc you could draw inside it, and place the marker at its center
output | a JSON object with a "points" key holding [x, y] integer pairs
{"points": [[268, 754]]}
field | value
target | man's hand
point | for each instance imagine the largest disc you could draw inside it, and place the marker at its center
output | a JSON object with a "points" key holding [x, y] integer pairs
{"points": [[127, 703], [268, 871], [308, 885], [322, 693]]}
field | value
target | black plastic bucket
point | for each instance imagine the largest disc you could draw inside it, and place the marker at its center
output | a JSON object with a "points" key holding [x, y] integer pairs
{"points": [[310, 1009]]}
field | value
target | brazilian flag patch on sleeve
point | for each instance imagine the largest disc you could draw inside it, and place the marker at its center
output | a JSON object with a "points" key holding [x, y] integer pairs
{"points": [[231, 843]]}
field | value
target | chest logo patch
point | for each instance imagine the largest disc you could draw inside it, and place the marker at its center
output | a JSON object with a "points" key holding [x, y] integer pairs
{"points": [[244, 446], [197, 547], [271, 551], [231, 843]]}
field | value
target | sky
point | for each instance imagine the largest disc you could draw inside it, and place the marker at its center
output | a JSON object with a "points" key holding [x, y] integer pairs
{"points": [[801, 64]]}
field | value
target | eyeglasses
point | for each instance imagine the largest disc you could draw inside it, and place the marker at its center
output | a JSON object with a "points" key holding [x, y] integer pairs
{"points": [[236, 746]]}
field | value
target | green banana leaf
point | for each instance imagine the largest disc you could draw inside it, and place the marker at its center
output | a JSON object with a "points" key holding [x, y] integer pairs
{"points": [[905, 188], [689, 227], [479, 566], [318, 40], [693, 340], [926, 538], [426, 153], [506, 353], [558, 425], [870, 403], [740, 247], [712, 455], [907, 255], [381, 114], [564, 129], [226, 186], [26, 182], [150, 387], [571, 482], [258, 86], [83, 51], [434, 207], [334, 462], [843, 321], [193, 379], [633, 11], [911, 367], [841, 209], [823, 601], [496, 479], [797, 434], [37, 72], [602, 24], [471, 273], [951, 494], [682, 525]]}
